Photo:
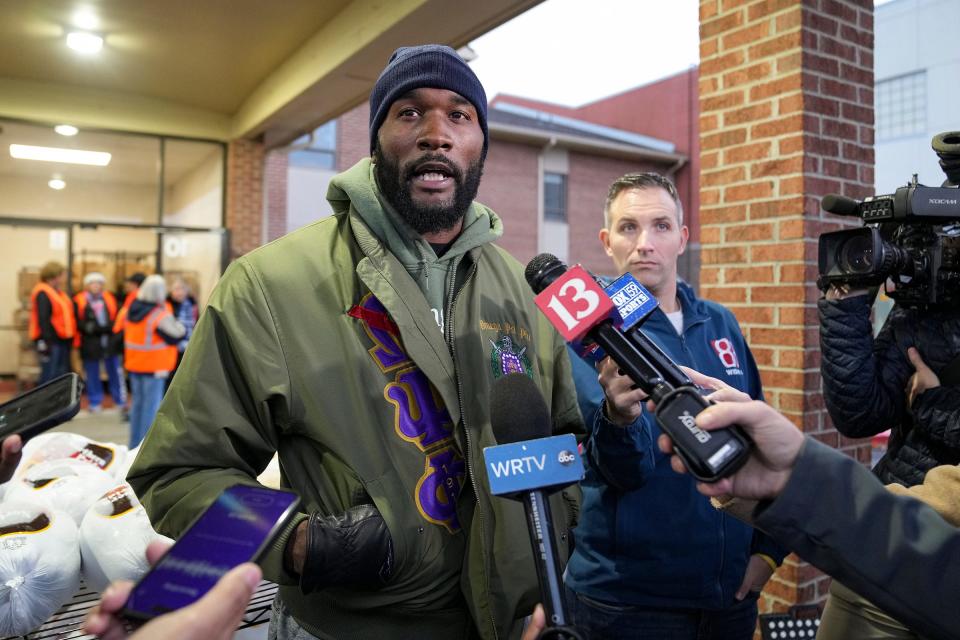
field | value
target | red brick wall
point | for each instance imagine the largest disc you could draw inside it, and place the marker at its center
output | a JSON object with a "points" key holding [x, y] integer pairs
{"points": [[510, 187], [785, 117], [353, 139], [276, 185], [244, 196]]}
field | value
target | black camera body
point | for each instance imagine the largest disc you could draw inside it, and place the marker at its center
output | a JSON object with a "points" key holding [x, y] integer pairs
{"points": [[911, 236]]}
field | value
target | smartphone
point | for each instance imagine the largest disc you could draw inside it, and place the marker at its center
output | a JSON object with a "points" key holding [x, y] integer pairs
{"points": [[42, 408], [238, 527]]}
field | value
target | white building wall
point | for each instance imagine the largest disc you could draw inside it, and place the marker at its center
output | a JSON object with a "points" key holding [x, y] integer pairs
{"points": [[915, 35]]}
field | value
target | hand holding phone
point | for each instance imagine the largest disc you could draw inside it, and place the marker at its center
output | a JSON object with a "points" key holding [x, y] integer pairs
{"points": [[213, 617], [11, 450], [236, 528], [41, 408]]}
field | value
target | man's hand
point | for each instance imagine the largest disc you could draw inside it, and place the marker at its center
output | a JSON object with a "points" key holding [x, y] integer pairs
{"points": [[215, 616], [623, 404], [923, 378], [841, 292], [538, 622], [10, 452], [296, 550], [722, 391], [757, 573], [777, 445]]}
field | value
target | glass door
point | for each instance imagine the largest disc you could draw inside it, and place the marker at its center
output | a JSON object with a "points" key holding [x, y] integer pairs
{"points": [[24, 249], [195, 257]]}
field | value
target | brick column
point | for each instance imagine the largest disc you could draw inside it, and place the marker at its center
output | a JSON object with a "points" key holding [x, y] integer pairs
{"points": [[786, 116], [245, 160], [275, 177]]}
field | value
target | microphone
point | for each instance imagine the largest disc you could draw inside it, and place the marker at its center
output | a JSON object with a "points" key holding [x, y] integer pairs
{"points": [[840, 205], [578, 307], [528, 465]]}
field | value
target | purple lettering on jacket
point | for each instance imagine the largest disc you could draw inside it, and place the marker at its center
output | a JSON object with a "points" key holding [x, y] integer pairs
{"points": [[420, 416], [386, 350], [439, 488]]}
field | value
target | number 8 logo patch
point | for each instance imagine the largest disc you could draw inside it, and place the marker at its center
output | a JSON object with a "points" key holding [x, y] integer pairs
{"points": [[724, 349]]}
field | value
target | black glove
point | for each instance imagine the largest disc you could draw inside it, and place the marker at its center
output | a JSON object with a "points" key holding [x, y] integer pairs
{"points": [[353, 549]]}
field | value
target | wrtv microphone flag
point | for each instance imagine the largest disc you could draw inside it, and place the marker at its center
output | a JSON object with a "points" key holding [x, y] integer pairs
{"points": [[528, 466]]}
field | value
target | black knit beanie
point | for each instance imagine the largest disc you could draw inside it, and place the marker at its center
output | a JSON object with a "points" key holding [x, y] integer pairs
{"points": [[431, 65]]}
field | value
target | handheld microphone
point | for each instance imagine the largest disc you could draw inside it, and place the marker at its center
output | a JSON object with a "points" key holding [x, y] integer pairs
{"points": [[528, 465], [840, 205], [577, 306]]}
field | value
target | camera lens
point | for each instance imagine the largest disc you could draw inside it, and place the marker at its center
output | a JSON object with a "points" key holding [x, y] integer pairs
{"points": [[856, 255]]}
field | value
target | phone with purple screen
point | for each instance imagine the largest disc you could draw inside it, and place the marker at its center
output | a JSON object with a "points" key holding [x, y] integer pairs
{"points": [[238, 527]]}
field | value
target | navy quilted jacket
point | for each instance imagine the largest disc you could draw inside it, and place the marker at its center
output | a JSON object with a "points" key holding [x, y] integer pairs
{"points": [[865, 379]]}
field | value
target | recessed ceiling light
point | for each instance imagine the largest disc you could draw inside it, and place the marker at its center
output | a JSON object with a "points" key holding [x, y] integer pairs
{"points": [[66, 129], [56, 184], [86, 19], [55, 154], [84, 42]]}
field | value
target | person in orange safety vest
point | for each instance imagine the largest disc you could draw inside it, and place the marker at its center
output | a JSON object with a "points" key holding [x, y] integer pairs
{"points": [[97, 342], [52, 322], [150, 336]]}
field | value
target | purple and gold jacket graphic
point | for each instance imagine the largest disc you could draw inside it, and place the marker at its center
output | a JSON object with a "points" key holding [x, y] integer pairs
{"points": [[420, 417]]}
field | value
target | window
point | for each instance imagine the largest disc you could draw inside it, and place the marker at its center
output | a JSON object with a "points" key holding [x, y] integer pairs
{"points": [[321, 151], [901, 105], [555, 197]]}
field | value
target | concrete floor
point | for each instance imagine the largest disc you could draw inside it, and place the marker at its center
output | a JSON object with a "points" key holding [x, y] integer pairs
{"points": [[106, 426]]}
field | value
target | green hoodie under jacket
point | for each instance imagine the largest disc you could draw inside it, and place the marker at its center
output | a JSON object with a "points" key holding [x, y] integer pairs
{"points": [[322, 347]]}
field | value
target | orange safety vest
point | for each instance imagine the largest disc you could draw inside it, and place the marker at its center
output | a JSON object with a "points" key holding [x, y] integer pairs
{"points": [[81, 300], [122, 314], [144, 350], [62, 319]]}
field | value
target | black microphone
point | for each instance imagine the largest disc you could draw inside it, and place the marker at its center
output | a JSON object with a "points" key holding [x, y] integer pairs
{"points": [[708, 455], [519, 416], [840, 205]]}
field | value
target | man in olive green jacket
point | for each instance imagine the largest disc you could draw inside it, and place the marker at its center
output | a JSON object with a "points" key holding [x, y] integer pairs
{"points": [[362, 348]]}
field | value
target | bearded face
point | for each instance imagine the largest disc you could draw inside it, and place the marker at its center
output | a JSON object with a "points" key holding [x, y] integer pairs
{"points": [[399, 184], [429, 158]]}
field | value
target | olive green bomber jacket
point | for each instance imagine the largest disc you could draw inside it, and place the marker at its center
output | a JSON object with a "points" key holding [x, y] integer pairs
{"points": [[317, 346]]}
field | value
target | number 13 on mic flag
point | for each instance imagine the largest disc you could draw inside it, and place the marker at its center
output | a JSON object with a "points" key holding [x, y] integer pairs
{"points": [[574, 303]]}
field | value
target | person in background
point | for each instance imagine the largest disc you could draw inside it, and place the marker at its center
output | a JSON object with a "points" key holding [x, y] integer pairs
{"points": [[653, 559], [52, 321], [96, 312], [186, 311], [129, 293], [150, 336]]}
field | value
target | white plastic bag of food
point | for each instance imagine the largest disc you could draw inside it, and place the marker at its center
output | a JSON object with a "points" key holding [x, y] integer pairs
{"points": [[113, 539], [107, 456], [39, 565], [67, 485]]}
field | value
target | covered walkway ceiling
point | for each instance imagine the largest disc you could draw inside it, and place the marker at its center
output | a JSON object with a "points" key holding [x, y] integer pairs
{"points": [[219, 69]]}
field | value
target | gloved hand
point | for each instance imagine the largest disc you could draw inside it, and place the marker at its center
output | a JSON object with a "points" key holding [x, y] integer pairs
{"points": [[352, 549], [43, 348]]}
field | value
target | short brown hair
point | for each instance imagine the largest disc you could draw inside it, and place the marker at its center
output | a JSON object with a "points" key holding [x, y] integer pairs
{"points": [[51, 270], [642, 180]]}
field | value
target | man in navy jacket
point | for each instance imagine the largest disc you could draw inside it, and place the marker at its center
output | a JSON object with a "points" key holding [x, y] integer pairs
{"points": [[653, 558]]}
